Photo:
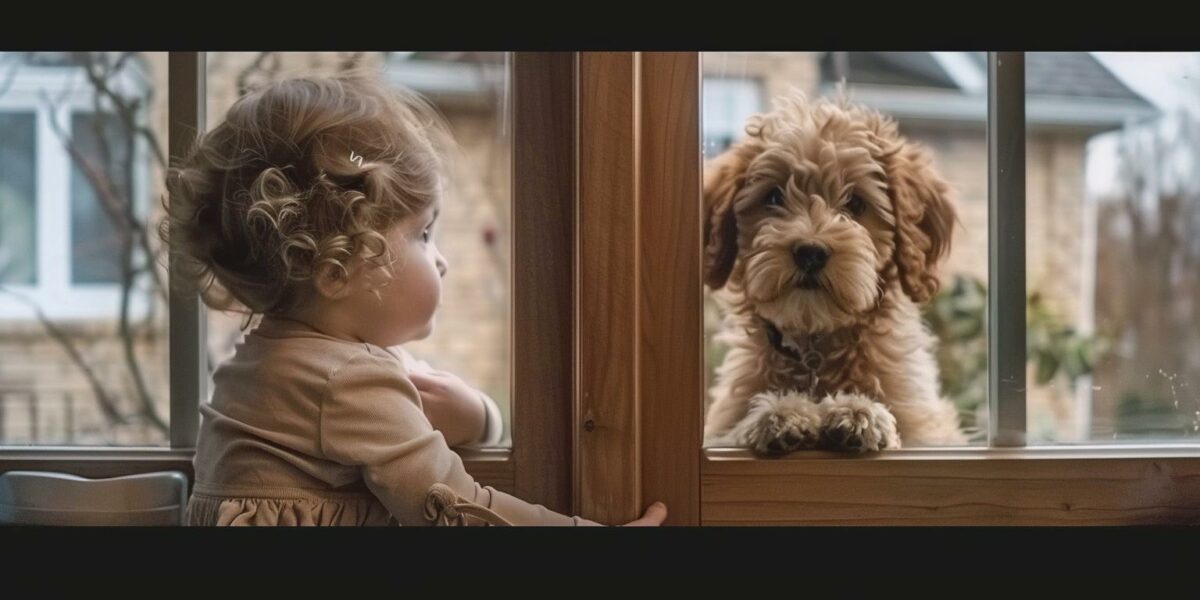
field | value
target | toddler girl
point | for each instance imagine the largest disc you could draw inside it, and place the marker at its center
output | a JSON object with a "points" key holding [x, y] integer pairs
{"points": [[314, 203]]}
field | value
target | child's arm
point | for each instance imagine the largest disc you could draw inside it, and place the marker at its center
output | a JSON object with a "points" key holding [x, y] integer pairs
{"points": [[464, 415], [452, 407], [493, 429], [371, 417]]}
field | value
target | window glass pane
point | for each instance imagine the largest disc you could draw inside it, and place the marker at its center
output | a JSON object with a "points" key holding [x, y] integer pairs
{"points": [[798, 269], [1113, 246], [103, 171], [18, 193], [83, 355]]}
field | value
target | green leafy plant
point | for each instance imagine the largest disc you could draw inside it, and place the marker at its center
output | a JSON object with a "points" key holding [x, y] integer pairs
{"points": [[958, 316]]}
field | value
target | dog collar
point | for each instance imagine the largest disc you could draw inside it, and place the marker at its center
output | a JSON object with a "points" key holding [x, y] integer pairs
{"points": [[802, 350]]}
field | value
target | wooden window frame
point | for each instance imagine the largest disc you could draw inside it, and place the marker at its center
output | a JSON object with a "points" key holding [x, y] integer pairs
{"points": [[537, 466], [639, 374], [607, 371]]}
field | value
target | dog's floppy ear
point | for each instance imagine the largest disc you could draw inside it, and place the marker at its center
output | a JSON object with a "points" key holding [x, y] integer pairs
{"points": [[723, 177], [925, 218]]}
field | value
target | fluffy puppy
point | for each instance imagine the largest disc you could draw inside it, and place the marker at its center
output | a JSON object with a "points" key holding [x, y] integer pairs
{"points": [[824, 229]]}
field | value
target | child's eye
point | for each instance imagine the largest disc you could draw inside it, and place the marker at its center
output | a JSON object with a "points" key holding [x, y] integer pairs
{"points": [[427, 234]]}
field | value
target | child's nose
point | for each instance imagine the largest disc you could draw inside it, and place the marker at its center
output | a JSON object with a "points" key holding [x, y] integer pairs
{"points": [[442, 266]]}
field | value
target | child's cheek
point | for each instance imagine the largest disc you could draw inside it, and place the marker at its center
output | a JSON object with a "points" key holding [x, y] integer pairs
{"points": [[434, 288]]}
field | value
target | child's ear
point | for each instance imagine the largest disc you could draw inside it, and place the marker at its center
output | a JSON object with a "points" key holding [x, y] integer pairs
{"points": [[332, 281]]}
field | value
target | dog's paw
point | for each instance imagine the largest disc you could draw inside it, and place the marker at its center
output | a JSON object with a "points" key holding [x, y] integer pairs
{"points": [[855, 423], [777, 424]]}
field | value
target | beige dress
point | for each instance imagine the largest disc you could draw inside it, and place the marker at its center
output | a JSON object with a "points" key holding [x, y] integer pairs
{"points": [[307, 429]]}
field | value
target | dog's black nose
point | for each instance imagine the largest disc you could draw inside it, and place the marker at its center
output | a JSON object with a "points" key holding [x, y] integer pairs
{"points": [[810, 258]]}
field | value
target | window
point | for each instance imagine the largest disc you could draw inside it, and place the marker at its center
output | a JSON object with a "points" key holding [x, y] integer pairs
{"points": [[75, 396], [1112, 219], [95, 243], [726, 103], [471, 89], [18, 199], [640, 431], [1097, 308], [59, 214], [82, 300]]}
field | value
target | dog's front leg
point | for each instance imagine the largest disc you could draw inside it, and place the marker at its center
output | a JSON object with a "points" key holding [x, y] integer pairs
{"points": [[778, 423], [853, 422]]}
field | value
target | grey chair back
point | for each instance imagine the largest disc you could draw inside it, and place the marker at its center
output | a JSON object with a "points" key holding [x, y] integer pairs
{"points": [[48, 498]]}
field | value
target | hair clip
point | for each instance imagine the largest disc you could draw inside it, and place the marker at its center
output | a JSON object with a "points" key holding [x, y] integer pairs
{"points": [[356, 158]]}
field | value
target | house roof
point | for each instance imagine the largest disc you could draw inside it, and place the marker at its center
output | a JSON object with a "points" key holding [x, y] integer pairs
{"points": [[1064, 89], [912, 69], [1074, 74]]}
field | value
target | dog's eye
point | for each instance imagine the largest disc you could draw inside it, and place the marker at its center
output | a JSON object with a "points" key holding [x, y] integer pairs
{"points": [[774, 197], [856, 205]]}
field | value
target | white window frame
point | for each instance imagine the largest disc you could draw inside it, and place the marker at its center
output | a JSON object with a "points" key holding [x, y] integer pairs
{"points": [[54, 293], [726, 101]]}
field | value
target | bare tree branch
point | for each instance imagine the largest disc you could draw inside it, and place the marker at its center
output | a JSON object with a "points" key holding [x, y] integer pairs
{"points": [[121, 214], [127, 109], [107, 406], [1148, 288], [265, 65]]}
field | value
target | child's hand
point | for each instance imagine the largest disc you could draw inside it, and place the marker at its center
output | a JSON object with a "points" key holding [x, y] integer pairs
{"points": [[653, 517], [453, 407]]}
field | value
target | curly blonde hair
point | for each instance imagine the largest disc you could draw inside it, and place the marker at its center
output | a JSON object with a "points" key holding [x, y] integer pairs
{"points": [[277, 192]]}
